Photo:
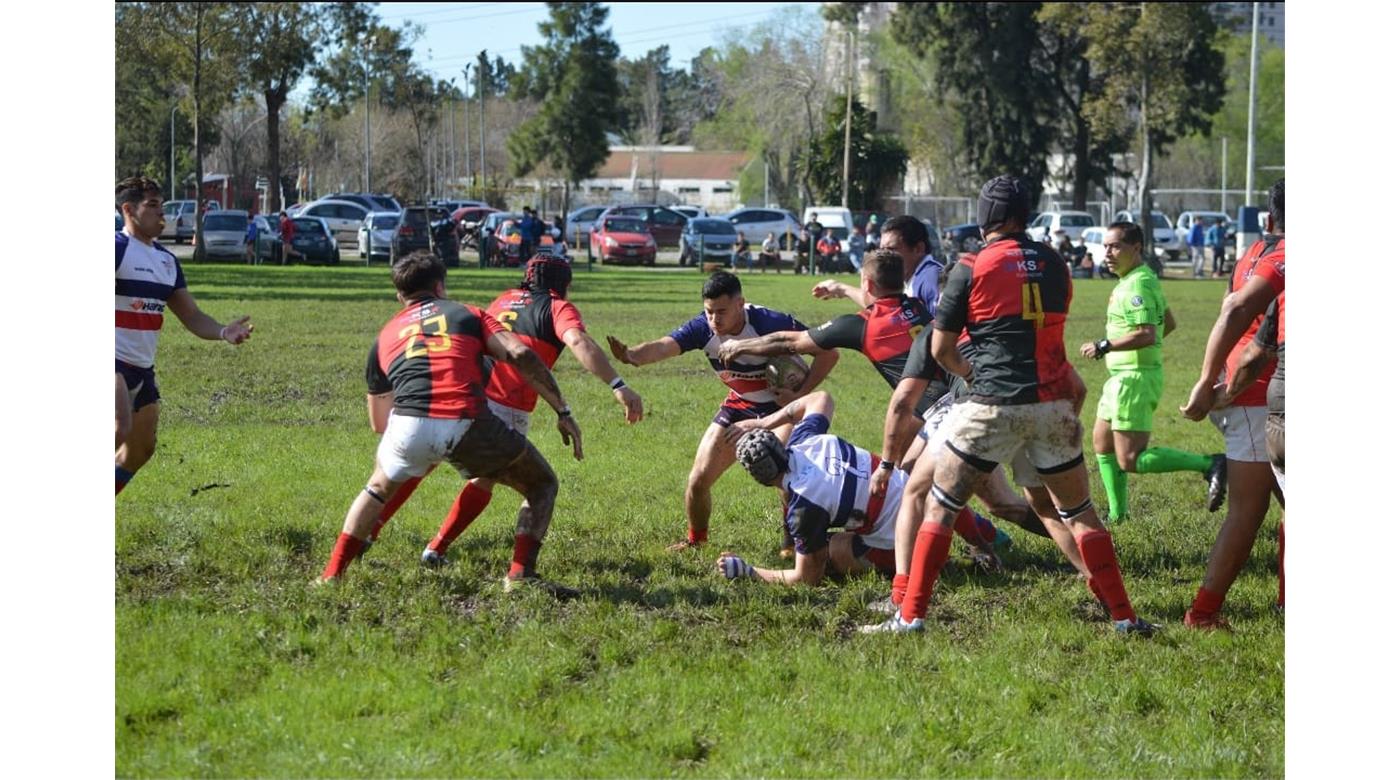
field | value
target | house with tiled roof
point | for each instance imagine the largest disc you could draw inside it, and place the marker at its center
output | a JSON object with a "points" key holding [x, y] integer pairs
{"points": [[667, 175]]}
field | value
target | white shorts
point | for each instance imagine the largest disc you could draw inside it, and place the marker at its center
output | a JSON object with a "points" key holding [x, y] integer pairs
{"points": [[1023, 474], [936, 433], [515, 419], [412, 445], [1246, 439], [1047, 434], [1278, 477]]}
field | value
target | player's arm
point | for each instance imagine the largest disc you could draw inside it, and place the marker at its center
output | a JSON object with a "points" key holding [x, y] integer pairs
{"points": [[783, 342], [642, 354], [823, 361], [811, 567], [819, 402], [378, 406], [202, 325], [901, 423], [1168, 322], [591, 356], [1253, 359], [945, 351], [1238, 310], [504, 346], [830, 289]]}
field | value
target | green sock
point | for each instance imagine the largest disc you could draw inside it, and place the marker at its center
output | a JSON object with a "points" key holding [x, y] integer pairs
{"points": [[1157, 460], [1115, 484]]}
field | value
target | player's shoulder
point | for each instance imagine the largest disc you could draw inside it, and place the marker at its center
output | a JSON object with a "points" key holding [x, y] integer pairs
{"points": [[765, 320]]}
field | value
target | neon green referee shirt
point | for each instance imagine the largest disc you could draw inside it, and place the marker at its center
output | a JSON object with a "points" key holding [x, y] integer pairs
{"points": [[1137, 299]]}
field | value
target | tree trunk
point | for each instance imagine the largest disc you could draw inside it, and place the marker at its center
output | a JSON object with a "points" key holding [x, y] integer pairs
{"points": [[198, 140], [1082, 163], [1149, 251], [274, 100]]}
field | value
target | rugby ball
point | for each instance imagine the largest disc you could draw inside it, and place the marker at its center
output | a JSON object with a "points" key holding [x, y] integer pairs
{"points": [[788, 371]]}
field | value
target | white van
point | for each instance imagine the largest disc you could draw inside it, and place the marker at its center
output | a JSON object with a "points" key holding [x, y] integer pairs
{"points": [[838, 218]]}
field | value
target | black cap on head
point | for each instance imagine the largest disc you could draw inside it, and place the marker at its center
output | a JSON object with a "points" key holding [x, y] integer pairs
{"points": [[546, 272], [1005, 197]]}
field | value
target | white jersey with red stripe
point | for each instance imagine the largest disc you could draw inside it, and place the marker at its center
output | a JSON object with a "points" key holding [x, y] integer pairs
{"points": [[746, 377], [147, 275], [832, 475]]}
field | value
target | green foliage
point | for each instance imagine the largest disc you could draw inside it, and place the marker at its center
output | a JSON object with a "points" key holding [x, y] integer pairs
{"points": [[228, 664], [574, 74], [986, 65], [878, 159]]}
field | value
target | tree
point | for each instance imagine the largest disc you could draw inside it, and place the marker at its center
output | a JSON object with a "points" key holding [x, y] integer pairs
{"points": [[878, 159], [985, 57], [574, 75], [1163, 75]]}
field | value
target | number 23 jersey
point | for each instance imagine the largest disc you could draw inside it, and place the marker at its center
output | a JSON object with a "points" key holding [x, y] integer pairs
{"points": [[430, 356]]}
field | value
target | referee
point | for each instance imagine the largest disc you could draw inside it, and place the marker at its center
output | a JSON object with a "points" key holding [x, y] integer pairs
{"points": [[1138, 320]]}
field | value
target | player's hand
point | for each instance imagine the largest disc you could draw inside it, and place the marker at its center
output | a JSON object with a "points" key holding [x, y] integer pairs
{"points": [[785, 396], [1223, 400], [1088, 350], [728, 351], [620, 351], [735, 432], [827, 289], [880, 481], [238, 331], [630, 401], [568, 429], [1201, 401]]}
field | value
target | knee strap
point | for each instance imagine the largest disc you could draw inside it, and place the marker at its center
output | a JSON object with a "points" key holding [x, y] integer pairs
{"points": [[947, 501], [374, 495], [1066, 514]]}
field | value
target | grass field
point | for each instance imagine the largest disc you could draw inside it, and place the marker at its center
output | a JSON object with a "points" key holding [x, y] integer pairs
{"points": [[228, 664]]}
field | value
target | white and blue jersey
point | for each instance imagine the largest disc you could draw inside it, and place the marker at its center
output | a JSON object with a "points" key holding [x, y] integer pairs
{"points": [[924, 283], [147, 275], [745, 377], [828, 484]]}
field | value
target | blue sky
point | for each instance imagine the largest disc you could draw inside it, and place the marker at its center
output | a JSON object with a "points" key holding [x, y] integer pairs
{"points": [[455, 32]]}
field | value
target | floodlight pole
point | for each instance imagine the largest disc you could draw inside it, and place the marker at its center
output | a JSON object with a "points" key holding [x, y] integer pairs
{"points": [[1224, 157], [364, 53], [846, 164], [173, 196], [1253, 71]]}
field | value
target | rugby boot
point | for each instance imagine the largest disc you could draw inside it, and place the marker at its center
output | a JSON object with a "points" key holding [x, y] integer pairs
{"points": [[1215, 482]]}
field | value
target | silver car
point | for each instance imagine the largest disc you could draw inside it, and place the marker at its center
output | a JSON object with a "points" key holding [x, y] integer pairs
{"points": [[377, 234], [343, 217], [179, 220], [759, 222], [225, 233], [269, 241]]}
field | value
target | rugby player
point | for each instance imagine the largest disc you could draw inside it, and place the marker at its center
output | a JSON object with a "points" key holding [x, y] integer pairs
{"points": [[1012, 299], [824, 480], [1138, 320], [539, 313], [429, 356], [908, 237], [726, 317], [1258, 279], [150, 279]]}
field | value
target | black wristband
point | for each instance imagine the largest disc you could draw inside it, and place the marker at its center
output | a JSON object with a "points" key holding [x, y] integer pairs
{"points": [[617, 384], [886, 465], [565, 412], [1102, 347]]}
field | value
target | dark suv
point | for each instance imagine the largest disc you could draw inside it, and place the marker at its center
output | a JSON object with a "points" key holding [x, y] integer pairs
{"points": [[414, 231]]}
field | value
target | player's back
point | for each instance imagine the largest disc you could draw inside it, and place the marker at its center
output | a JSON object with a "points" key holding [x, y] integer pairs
{"points": [[540, 320], [431, 353]]}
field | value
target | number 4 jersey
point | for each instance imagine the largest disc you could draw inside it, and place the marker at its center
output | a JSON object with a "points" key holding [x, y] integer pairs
{"points": [[430, 356]]}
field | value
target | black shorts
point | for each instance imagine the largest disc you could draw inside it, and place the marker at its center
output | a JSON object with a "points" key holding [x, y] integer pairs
{"points": [[730, 412], [488, 448], [140, 385]]}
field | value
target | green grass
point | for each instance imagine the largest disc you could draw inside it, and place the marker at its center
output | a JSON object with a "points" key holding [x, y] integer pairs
{"points": [[228, 664]]}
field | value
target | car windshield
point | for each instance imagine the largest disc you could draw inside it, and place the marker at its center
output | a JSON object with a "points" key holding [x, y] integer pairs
{"points": [[307, 225], [1160, 221], [1076, 220], [226, 222], [624, 225], [712, 227], [415, 217], [384, 203], [386, 222]]}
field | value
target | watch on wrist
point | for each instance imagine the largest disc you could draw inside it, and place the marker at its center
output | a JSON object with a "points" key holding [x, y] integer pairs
{"points": [[564, 412], [1102, 347], [886, 465]]}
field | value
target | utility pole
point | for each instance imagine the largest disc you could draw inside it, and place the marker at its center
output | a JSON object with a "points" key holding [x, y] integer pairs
{"points": [[1224, 157], [482, 66], [364, 60], [846, 165], [452, 140], [173, 196], [1253, 70], [466, 126]]}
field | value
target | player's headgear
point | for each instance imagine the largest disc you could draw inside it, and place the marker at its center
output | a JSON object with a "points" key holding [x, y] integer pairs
{"points": [[547, 272], [762, 455], [1005, 197]]}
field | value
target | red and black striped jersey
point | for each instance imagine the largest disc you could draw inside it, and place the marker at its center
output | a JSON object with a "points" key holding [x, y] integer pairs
{"points": [[430, 356], [539, 320], [885, 332], [1271, 337], [1265, 261], [1012, 298]]}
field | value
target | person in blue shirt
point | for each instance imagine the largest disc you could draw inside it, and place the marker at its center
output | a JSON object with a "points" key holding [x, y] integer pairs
{"points": [[1215, 237], [1196, 240]]}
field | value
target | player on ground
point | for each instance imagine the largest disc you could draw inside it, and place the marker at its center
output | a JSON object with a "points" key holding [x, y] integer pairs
{"points": [[539, 313], [1138, 320], [1012, 299], [726, 317], [429, 356], [150, 279], [908, 237], [1257, 281]]}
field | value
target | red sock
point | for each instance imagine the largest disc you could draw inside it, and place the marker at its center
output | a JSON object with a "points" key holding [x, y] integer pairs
{"points": [[1280, 564], [527, 549], [1096, 547], [392, 505], [899, 588], [1207, 605], [965, 524], [469, 505], [1098, 594], [346, 549], [697, 536], [930, 553]]}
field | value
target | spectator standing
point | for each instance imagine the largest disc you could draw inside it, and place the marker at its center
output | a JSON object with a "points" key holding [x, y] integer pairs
{"points": [[1215, 236], [527, 232], [857, 248], [814, 234], [250, 240], [288, 229], [1196, 240], [770, 254]]}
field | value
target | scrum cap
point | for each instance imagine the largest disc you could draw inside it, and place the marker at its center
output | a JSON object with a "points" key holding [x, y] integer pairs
{"points": [[548, 272], [1005, 197], [762, 455]]}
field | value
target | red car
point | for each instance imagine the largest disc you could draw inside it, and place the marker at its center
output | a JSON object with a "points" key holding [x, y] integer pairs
{"points": [[623, 239], [664, 225]]}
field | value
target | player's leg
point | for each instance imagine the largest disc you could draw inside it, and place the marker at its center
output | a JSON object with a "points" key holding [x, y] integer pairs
{"points": [[1274, 434], [123, 411], [1115, 480], [957, 479], [1003, 502], [1139, 393], [140, 443], [1251, 485], [469, 504], [911, 513], [712, 457], [359, 521], [392, 507]]}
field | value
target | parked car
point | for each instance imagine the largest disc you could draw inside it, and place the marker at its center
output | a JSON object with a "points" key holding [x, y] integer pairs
{"points": [[412, 231], [179, 220], [624, 239], [502, 232], [453, 205], [343, 216], [959, 239], [313, 238], [762, 221], [269, 242], [663, 224], [579, 223], [1164, 238], [1093, 241], [711, 239], [1044, 227], [837, 218], [468, 221], [690, 212], [369, 201], [377, 234], [1208, 218], [225, 234]]}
